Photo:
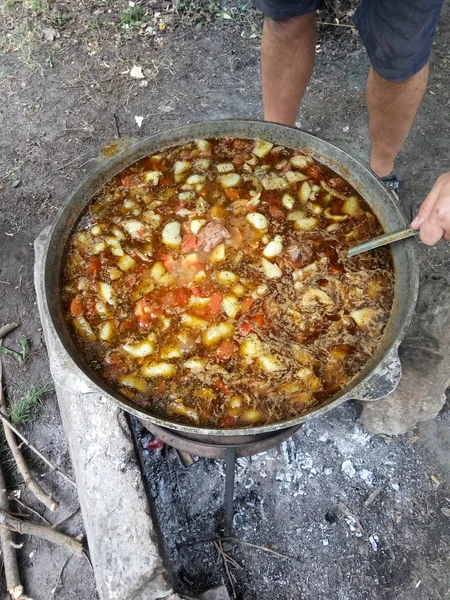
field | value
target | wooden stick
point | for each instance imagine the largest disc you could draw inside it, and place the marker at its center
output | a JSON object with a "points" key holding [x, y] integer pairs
{"points": [[41, 531], [28, 478], [44, 459], [263, 548], [224, 557], [5, 329], [13, 583], [26, 507]]}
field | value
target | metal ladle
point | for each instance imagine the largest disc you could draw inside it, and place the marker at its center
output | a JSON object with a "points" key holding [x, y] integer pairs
{"points": [[382, 240]]}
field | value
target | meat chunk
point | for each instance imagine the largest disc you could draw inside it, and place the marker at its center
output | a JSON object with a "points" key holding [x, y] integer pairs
{"points": [[211, 235], [300, 255]]}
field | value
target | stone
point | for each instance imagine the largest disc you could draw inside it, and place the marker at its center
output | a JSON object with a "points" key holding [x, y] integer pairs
{"points": [[348, 468], [425, 359]]}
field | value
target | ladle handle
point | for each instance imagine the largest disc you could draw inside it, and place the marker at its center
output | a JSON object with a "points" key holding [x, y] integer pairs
{"points": [[382, 240]]}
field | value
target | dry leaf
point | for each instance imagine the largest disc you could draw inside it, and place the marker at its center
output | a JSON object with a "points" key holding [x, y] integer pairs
{"points": [[139, 121], [136, 72]]}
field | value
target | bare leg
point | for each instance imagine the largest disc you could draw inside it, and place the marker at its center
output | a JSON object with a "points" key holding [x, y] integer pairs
{"points": [[287, 57], [392, 107]]}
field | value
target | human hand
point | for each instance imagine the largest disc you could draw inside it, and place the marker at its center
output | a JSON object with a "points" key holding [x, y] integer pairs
{"points": [[433, 218]]}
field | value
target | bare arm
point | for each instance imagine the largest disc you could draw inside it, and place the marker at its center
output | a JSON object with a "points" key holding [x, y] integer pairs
{"points": [[433, 219]]}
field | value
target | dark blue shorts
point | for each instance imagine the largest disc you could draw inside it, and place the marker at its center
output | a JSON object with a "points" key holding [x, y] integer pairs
{"points": [[397, 34]]}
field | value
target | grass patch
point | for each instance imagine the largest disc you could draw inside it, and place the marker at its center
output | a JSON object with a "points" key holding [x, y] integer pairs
{"points": [[24, 408], [132, 17]]}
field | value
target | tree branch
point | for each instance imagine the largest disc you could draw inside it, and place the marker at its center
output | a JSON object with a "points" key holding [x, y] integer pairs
{"points": [[41, 531], [28, 478]]}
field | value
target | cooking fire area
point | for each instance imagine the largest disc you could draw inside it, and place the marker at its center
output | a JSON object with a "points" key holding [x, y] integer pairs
{"points": [[330, 512]]}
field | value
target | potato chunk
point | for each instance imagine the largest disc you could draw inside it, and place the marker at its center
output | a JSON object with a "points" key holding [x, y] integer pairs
{"points": [[179, 408], [288, 201], [152, 177], [217, 333], [229, 180], [251, 415], [126, 263], [218, 254], [106, 293], [196, 365], [273, 248], [262, 148], [231, 305], [136, 229], [157, 271], [352, 206], [155, 369], [295, 176], [83, 329], [315, 296], [140, 349], [226, 277], [107, 331], [271, 270], [136, 383], [300, 162], [251, 346], [258, 221], [171, 234], [180, 168], [304, 192], [364, 316], [193, 322], [306, 224], [271, 363], [225, 167]]}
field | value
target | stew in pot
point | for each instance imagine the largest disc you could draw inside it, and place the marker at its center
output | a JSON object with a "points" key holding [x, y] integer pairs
{"points": [[209, 283]]}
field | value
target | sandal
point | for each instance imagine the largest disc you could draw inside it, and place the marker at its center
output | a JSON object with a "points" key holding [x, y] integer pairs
{"points": [[392, 184]]}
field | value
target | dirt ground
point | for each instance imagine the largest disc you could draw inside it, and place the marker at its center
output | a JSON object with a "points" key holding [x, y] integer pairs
{"points": [[66, 90]]}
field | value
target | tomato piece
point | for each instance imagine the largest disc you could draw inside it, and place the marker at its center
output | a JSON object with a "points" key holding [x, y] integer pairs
{"points": [[146, 312], [174, 298], [161, 386], [261, 320], [94, 265], [219, 385], [189, 243], [315, 172], [244, 328], [126, 325], [228, 422], [232, 193], [76, 306], [166, 180], [169, 262], [129, 181], [206, 290], [215, 306], [272, 198], [246, 305], [276, 212], [225, 350]]}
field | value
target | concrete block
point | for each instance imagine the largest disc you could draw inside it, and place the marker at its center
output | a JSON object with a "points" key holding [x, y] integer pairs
{"points": [[122, 537]]}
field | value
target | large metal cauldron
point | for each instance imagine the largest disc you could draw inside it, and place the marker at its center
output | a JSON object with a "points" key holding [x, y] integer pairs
{"points": [[383, 367]]}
